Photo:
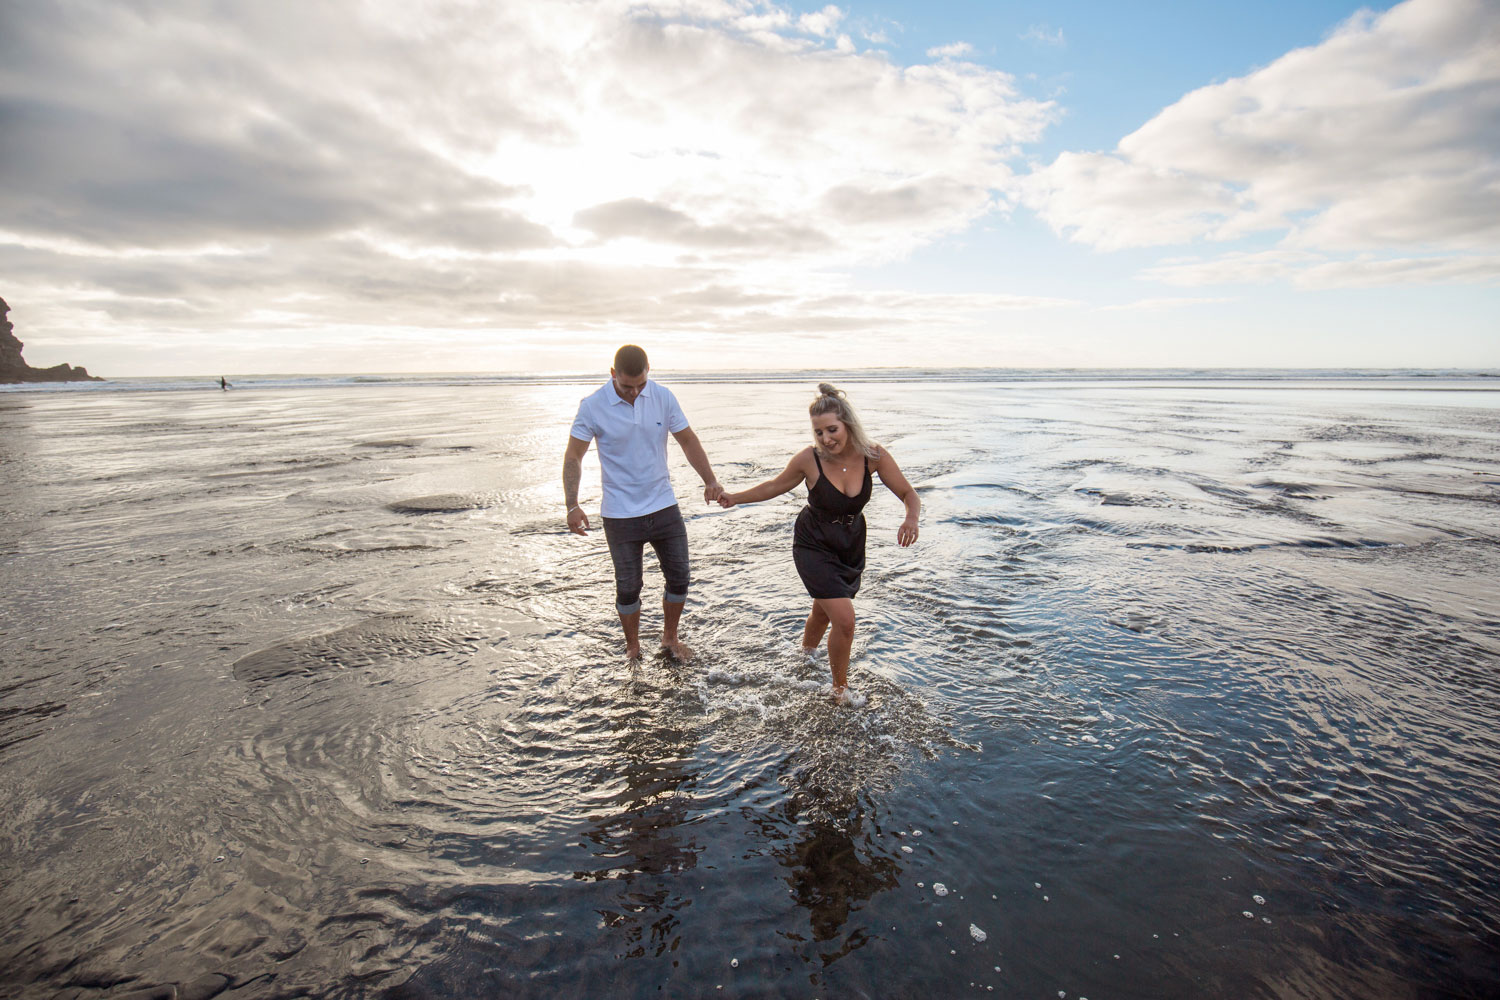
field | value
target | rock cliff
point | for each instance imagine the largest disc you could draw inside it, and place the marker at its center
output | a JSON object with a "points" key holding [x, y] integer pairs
{"points": [[13, 367]]}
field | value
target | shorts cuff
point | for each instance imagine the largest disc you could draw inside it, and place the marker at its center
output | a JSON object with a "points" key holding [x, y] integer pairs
{"points": [[628, 609], [672, 598]]}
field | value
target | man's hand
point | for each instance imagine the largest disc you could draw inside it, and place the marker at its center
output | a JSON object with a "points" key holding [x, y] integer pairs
{"points": [[578, 521], [712, 492]]}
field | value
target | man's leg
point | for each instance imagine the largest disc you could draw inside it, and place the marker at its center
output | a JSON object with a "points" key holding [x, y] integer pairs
{"points": [[625, 548], [671, 614], [631, 623], [672, 554]]}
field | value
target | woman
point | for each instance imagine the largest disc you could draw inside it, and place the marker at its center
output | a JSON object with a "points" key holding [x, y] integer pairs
{"points": [[828, 545]]}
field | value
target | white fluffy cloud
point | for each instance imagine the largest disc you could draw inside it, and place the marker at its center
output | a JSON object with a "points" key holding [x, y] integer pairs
{"points": [[461, 162], [1384, 139]]}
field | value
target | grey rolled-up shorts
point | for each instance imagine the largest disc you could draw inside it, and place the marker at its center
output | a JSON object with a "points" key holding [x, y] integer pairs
{"points": [[627, 538]]}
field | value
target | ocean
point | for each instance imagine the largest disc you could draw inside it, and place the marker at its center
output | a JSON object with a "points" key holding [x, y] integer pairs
{"points": [[1188, 689]]}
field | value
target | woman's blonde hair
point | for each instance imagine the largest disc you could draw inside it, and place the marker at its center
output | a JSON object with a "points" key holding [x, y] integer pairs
{"points": [[832, 400]]}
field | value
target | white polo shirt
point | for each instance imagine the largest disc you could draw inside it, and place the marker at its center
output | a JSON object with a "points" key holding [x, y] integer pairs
{"points": [[632, 446]]}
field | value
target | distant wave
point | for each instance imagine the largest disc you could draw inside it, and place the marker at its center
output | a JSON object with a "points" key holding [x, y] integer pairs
{"points": [[1386, 378]]}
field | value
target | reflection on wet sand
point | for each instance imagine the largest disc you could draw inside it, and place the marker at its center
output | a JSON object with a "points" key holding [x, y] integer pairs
{"points": [[832, 874], [639, 832]]}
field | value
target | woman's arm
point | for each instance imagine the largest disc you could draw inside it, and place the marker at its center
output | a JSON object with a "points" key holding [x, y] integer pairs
{"points": [[793, 474], [890, 474]]}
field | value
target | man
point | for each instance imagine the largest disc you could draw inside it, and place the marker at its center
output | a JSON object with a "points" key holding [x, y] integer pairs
{"points": [[631, 416]]}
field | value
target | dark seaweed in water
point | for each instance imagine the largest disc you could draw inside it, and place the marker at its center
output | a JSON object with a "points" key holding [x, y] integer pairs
{"points": [[1187, 690]]}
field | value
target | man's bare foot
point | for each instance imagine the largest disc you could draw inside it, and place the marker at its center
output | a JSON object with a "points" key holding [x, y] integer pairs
{"points": [[632, 651], [841, 695], [677, 650]]}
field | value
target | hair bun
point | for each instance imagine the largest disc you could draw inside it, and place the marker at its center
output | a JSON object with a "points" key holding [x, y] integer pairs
{"points": [[827, 390]]}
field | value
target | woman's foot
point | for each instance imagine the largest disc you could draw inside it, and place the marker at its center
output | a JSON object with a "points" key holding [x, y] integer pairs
{"points": [[842, 695]]}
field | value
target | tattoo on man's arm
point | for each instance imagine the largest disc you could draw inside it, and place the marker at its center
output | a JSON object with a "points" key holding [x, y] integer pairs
{"points": [[572, 473]]}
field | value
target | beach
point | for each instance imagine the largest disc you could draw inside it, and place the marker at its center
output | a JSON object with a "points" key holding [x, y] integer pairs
{"points": [[1188, 689]]}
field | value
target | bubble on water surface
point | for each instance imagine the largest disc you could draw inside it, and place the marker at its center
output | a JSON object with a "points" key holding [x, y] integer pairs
{"points": [[978, 935], [940, 888]]}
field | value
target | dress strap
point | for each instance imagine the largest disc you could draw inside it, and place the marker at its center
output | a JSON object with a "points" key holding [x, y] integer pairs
{"points": [[818, 460]]}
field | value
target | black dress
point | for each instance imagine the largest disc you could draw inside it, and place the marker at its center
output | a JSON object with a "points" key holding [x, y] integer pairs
{"points": [[828, 544]]}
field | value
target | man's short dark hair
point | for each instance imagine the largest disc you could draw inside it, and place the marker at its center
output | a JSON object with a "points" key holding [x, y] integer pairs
{"points": [[630, 360]]}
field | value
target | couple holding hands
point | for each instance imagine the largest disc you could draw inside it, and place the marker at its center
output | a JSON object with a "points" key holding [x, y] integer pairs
{"points": [[630, 416]]}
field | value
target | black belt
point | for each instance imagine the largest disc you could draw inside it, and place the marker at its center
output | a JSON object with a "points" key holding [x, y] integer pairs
{"points": [[847, 520]]}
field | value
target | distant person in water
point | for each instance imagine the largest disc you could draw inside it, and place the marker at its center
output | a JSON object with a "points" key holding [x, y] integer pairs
{"points": [[223, 383], [828, 543], [631, 416]]}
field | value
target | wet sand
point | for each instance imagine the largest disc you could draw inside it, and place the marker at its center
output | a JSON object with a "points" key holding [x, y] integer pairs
{"points": [[1186, 691]]}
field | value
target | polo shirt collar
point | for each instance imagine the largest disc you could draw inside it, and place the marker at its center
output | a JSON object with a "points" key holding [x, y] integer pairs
{"points": [[614, 396]]}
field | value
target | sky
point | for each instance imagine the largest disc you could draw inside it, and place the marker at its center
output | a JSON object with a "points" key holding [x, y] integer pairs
{"points": [[205, 186]]}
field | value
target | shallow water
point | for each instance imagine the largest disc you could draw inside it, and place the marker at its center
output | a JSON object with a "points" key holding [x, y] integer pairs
{"points": [[1187, 690]]}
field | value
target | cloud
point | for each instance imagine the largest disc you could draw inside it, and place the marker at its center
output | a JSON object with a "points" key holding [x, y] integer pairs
{"points": [[352, 283], [637, 218], [1111, 203], [953, 50], [1380, 139], [1316, 270], [453, 163], [856, 204], [1159, 304], [821, 23], [1042, 34]]}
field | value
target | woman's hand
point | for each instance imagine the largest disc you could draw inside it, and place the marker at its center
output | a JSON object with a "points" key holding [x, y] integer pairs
{"points": [[907, 533]]}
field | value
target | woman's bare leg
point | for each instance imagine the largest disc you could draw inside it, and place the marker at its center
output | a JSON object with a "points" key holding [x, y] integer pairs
{"points": [[812, 632], [840, 614]]}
